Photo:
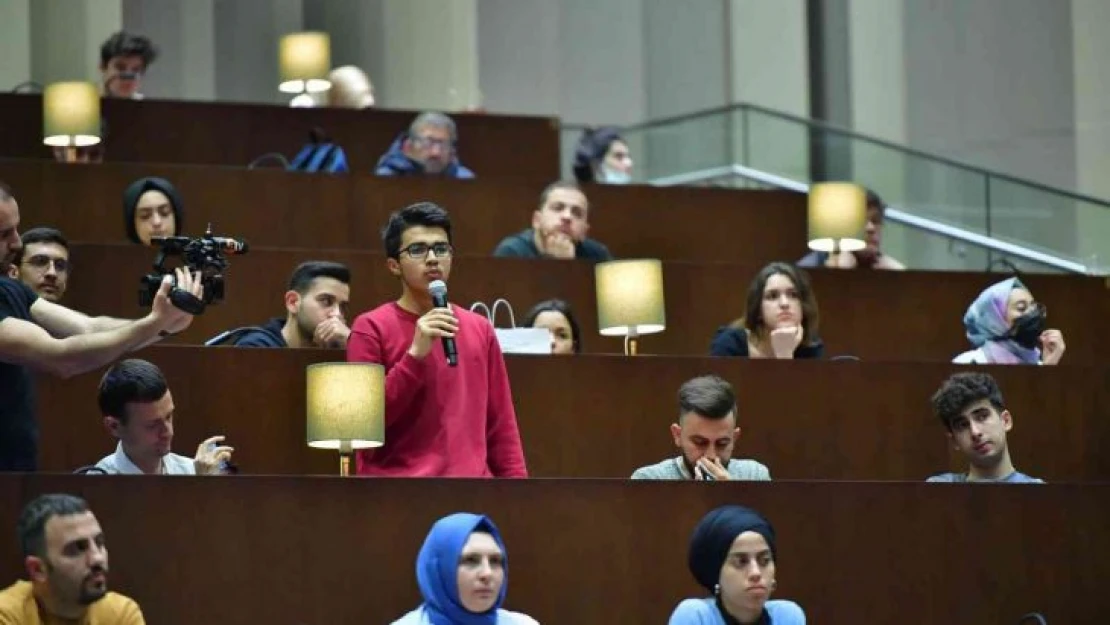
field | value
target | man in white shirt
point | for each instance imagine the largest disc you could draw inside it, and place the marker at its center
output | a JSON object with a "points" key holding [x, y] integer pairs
{"points": [[138, 410]]}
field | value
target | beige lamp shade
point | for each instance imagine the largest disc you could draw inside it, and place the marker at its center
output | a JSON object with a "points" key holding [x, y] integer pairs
{"points": [[305, 60], [837, 217], [630, 297], [346, 405], [71, 114]]}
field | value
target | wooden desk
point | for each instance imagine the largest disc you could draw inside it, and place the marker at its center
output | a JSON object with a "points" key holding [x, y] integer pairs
{"points": [[601, 416], [209, 133], [333, 550], [872, 315], [282, 209]]}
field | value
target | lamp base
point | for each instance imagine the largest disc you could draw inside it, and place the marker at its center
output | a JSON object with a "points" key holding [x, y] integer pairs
{"points": [[344, 465], [631, 345]]}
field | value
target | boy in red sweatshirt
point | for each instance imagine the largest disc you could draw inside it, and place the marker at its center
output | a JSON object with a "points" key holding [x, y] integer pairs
{"points": [[440, 421]]}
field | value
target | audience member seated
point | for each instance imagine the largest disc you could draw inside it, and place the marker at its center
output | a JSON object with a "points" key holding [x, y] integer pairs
{"points": [[427, 148], [559, 226], [872, 256], [315, 312], [733, 556], [41, 335], [350, 88], [780, 320], [976, 420], [1007, 327], [152, 207], [42, 263], [66, 558], [463, 574], [705, 434], [443, 418], [124, 58], [602, 156], [557, 317], [138, 410]]}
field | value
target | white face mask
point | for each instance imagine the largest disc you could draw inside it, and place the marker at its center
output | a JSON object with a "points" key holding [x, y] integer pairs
{"points": [[607, 175]]}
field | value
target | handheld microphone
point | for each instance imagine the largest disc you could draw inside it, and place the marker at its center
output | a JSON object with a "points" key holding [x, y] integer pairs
{"points": [[438, 290]]}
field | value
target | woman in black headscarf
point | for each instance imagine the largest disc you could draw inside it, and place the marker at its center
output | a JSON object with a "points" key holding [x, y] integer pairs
{"points": [[152, 207], [732, 554]]}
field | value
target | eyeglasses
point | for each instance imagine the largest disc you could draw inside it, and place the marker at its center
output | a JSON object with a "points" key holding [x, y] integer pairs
{"points": [[43, 262], [419, 251], [432, 142]]}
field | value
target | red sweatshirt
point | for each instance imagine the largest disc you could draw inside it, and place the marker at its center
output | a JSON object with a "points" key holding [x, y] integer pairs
{"points": [[440, 421]]}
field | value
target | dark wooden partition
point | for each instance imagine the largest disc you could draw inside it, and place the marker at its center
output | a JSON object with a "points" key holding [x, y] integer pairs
{"points": [[872, 315], [272, 208], [597, 416], [333, 550], [163, 131]]}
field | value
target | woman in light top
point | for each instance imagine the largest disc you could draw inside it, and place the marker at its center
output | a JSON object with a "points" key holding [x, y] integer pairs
{"points": [[1007, 326], [732, 555], [780, 319], [463, 573]]}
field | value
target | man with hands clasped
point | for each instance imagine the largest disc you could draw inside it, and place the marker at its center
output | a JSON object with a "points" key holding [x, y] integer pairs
{"points": [[559, 227], [706, 433]]}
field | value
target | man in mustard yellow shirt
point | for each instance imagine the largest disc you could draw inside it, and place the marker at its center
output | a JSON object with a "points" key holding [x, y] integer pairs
{"points": [[67, 561]]}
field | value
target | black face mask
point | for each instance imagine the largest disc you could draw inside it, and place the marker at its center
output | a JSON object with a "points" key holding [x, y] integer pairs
{"points": [[1027, 328]]}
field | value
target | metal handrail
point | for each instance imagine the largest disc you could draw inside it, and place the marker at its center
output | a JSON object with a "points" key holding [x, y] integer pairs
{"points": [[893, 213], [833, 128]]}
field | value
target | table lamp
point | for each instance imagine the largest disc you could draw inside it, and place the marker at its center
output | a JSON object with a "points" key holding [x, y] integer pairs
{"points": [[346, 408], [630, 299], [71, 116], [304, 60], [837, 217]]}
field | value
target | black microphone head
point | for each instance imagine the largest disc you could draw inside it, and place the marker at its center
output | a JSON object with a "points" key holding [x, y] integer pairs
{"points": [[437, 288]]}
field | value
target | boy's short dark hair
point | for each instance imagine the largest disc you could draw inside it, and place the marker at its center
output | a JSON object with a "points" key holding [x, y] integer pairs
{"points": [[708, 396], [306, 272], [124, 43], [131, 380], [39, 235], [960, 391], [424, 214], [32, 520]]}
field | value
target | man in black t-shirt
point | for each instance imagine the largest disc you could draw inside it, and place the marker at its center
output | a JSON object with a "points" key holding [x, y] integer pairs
{"points": [[38, 334]]}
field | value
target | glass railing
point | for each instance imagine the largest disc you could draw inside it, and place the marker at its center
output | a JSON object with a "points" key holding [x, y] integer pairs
{"points": [[982, 219]]}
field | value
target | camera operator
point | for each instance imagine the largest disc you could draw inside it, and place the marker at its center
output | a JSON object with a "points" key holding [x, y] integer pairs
{"points": [[37, 334]]}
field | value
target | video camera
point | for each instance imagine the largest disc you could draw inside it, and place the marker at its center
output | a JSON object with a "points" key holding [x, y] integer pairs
{"points": [[204, 256]]}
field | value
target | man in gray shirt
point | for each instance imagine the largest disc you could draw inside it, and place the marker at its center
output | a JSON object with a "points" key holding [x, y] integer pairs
{"points": [[970, 407], [706, 433]]}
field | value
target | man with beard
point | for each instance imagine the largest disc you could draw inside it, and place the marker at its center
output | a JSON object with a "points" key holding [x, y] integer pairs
{"points": [[706, 433], [43, 263], [66, 559], [315, 312], [559, 227], [971, 408]]}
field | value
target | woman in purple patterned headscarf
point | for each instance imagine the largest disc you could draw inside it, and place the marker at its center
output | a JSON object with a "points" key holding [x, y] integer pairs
{"points": [[1007, 326]]}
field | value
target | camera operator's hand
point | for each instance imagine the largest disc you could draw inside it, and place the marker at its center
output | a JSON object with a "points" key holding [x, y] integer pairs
{"points": [[170, 318], [331, 333]]}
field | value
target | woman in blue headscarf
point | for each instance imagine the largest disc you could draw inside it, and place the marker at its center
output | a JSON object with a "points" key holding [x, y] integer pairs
{"points": [[463, 572], [732, 555], [1007, 326]]}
